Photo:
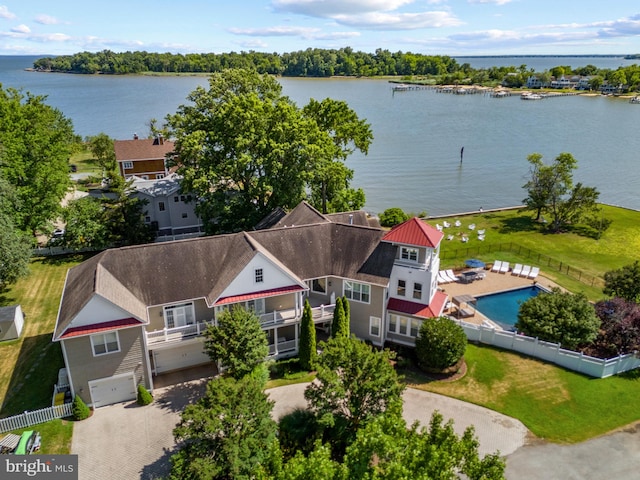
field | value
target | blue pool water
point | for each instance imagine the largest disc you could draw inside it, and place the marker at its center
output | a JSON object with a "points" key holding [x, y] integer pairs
{"points": [[503, 307]]}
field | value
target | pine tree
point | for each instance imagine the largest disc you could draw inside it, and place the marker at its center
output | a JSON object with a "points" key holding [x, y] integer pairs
{"points": [[339, 320], [347, 315], [308, 350]]}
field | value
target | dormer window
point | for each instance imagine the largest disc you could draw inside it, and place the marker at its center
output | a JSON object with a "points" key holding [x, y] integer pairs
{"points": [[259, 275], [407, 253]]}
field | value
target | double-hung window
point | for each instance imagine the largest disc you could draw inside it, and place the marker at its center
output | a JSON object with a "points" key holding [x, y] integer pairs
{"points": [[407, 253], [402, 288], [179, 315], [359, 292], [103, 343], [127, 165], [374, 326], [417, 291]]}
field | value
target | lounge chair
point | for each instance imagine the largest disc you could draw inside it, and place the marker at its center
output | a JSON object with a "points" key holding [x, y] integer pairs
{"points": [[442, 278], [464, 239], [481, 232], [496, 266], [526, 270], [446, 224], [517, 269], [451, 275], [481, 238], [457, 223], [438, 227], [534, 272], [505, 267], [472, 226], [449, 237]]}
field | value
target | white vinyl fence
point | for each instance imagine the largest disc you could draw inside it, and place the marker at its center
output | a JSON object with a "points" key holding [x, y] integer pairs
{"points": [[27, 419], [550, 352]]}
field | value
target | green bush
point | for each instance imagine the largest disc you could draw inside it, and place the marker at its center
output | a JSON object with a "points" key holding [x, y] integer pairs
{"points": [[80, 409], [392, 217], [144, 396], [440, 344]]}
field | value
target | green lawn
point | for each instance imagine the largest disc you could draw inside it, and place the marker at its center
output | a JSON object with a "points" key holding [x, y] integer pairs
{"points": [[56, 436], [555, 404]]}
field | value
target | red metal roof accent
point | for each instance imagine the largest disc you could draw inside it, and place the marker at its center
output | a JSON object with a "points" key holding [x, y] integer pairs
{"points": [[262, 294], [101, 327], [414, 232], [434, 309]]}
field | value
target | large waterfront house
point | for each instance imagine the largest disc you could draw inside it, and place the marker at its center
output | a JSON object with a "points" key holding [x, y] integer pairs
{"points": [[129, 314], [144, 158], [168, 210]]}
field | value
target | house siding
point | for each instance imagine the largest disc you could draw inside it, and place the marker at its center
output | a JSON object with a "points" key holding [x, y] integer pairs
{"points": [[156, 314], [144, 167], [85, 366]]}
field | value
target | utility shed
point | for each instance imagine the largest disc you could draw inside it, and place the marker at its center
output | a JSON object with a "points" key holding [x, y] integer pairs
{"points": [[11, 322]]}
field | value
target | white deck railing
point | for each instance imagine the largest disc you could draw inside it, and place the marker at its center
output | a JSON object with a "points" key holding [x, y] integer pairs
{"points": [[282, 347], [178, 333], [323, 312]]}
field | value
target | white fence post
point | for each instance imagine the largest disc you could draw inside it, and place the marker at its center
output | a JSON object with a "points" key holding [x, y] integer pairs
{"points": [[28, 419]]}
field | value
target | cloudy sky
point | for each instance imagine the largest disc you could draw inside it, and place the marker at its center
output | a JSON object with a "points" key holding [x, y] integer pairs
{"points": [[447, 27]]}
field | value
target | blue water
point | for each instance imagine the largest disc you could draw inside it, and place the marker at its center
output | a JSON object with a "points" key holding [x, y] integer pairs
{"points": [[503, 307]]}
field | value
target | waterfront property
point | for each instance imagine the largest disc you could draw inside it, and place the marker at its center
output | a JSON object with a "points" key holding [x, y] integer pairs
{"points": [[144, 158], [502, 307], [129, 314]]}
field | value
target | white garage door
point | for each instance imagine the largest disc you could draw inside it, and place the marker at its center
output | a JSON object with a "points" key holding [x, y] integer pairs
{"points": [[182, 356], [119, 388]]}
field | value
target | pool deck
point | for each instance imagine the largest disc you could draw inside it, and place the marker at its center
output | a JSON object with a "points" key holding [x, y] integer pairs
{"points": [[493, 282]]}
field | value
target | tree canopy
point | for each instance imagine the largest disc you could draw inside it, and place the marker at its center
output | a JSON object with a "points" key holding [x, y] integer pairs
{"points": [[561, 317], [15, 246], [624, 282], [550, 190], [237, 341], [36, 142], [619, 332], [245, 149]]}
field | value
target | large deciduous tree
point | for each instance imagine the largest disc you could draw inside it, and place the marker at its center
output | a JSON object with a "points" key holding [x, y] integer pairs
{"points": [[550, 190], [229, 433], [36, 141], [354, 384], [237, 341], [15, 246], [565, 318], [245, 149], [85, 224], [619, 332], [624, 282]]}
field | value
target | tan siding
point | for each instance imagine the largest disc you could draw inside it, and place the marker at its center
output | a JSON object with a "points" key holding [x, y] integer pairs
{"points": [[156, 314], [281, 302], [360, 313], [85, 367]]}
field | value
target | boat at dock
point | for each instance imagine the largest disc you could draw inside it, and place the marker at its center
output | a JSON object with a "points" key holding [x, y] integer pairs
{"points": [[531, 96], [635, 99]]}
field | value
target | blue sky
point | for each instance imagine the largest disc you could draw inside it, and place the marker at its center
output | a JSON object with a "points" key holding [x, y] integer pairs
{"points": [[433, 27]]}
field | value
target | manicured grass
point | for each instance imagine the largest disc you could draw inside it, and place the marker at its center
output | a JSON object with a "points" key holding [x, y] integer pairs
{"points": [[86, 163], [555, 404], [30, 364], [56, 436], [618, 246]]}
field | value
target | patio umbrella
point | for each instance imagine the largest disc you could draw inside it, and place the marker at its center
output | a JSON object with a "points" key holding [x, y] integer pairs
{"points": [[474, 263]]}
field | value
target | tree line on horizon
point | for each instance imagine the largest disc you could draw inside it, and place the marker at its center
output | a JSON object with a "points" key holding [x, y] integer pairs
{"points": [[322, 63]]}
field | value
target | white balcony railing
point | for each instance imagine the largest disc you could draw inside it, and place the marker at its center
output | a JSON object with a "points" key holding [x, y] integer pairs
{"points": [[177, 334], [282, 347], [323, 312]]}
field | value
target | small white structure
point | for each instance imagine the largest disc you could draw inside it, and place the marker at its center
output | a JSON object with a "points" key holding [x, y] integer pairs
{"points": [[11, 322]]}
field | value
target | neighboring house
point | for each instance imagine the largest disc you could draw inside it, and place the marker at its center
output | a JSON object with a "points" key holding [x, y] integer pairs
{"points": [[533, 81], [131, 313], [168, 210], [144, 158], [11, 322]]}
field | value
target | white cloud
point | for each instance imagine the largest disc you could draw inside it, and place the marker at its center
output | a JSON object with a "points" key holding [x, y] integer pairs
{"points": [[46, 20], [399, 21], [494, 2], [287, 31], [21, 29], [5, 13], [330, 8]]}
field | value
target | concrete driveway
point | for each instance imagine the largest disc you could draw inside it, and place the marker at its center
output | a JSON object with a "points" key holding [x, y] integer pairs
{"points": [[125, 441]]}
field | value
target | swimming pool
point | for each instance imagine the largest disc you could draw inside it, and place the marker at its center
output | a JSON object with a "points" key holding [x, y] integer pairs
{"points": [[503, 307]]}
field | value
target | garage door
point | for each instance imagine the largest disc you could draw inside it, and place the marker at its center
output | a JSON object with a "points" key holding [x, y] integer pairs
{"points": [[182, 356], [119, 388]]}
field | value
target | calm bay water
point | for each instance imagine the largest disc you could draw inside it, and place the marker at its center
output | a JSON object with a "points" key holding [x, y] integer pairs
{"points": [[414, 161]]}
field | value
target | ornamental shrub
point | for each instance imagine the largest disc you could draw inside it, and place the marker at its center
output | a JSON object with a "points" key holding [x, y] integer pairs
{"points": [[392, 217], [80, 409], [440, 344], [144, 396]]}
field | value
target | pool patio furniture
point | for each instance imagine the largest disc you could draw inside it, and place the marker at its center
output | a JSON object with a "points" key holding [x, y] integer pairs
{"points": [[526, 270], [465, 305], [517, 269], [452, 276], [534, 272], [496, 266], [442, 277], [505, 267]]}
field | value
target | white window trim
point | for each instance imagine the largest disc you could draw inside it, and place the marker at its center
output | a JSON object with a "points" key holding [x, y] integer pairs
{"points": [[127, 165], [102, 336], [410, 322], [409, 251], [187, 310], [349, 293], [375, 322], [404, 288], [415, 291]]}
